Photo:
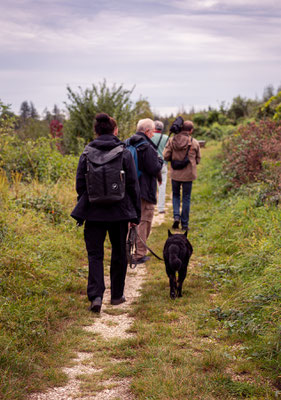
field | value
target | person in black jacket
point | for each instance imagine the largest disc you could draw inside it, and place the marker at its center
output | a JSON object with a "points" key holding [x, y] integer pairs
{"points": [[150, 164], [112, 218]]}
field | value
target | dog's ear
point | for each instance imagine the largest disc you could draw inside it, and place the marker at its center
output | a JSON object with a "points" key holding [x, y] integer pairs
{"points": [[169, 233], [185, 233]]}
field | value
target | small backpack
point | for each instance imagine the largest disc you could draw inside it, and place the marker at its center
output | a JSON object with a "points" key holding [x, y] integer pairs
{"points": [[105, 177], [133, 150], [181, 164]]}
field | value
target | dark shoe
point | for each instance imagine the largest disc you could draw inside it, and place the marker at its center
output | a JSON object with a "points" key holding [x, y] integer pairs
{"points": [[96, 305], [176, 224], [162, 212], [115, 302], [141, 260]]}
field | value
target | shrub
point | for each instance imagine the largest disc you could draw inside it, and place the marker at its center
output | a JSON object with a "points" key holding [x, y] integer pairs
{"points": [[253, 154], [38, 159]]}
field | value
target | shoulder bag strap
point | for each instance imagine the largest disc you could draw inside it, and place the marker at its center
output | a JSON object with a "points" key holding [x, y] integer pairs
{"points": [[159, 141]]}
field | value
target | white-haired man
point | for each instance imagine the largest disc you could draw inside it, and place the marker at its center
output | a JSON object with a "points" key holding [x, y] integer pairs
{"points": [[160, 140], [149, 164]]}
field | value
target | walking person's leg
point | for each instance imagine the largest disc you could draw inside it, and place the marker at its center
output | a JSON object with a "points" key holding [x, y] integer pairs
{"points": [[144, 228], [186, 195], [94, 234], [176, 186], [162, 189], [118, 267]]}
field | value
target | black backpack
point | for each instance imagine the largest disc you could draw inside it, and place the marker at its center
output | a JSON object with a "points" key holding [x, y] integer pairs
{"points": [[105, 176]]}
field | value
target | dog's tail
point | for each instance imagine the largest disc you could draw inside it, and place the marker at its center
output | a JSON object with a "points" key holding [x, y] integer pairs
{"points": [[174, 260]]}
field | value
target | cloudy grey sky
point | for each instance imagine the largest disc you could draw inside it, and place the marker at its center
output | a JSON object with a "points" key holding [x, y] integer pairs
{"points": [[178, 53]]}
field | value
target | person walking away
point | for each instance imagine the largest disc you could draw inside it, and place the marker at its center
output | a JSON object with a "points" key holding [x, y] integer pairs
{"points": [[177, 149], [106, 208], [160, 140], [149, 164]]}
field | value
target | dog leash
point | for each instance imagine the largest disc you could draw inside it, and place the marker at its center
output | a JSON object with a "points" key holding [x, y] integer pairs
{"points": [[131, 245]]}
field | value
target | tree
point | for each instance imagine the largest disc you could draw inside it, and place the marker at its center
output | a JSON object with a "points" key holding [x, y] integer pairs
{"points": [[142, 109], [24, 111], [33, 112], [268, 92], [238, 108], [272, 108], [85, 104]]}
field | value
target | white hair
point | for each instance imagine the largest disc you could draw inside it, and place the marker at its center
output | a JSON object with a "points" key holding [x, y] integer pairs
{"points": [[145, 124], [159, 125]]}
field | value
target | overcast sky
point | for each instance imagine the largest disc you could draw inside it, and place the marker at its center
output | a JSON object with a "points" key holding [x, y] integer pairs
{"points": [[177, 53]]}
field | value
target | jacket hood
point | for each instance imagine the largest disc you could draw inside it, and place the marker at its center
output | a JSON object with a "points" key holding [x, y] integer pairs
{"points": [[105, 142], [181, 141]]}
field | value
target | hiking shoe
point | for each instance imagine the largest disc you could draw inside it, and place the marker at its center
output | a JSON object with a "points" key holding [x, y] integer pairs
{"points": [[176, 224], [141, 260], [115, 302], [96, 305]]}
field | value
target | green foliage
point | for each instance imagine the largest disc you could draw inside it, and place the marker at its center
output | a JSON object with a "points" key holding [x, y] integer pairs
{"points": [[241, 243], [41, 279], [33, 129], [214, 132], [142, 110], [85, 104], [46, 204], [273, 107], [38, 159], [253, 154], [7, 120]]}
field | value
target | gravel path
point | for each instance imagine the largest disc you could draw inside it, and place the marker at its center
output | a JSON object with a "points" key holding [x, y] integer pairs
{"points": [[109, 326]]}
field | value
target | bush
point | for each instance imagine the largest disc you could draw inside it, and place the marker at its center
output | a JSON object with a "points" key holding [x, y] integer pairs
{"points": [[38, 159], [253, 154]]}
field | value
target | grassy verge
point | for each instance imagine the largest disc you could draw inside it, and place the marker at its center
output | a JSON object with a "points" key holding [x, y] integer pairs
{"points": [[221, 340], [42, 279]]}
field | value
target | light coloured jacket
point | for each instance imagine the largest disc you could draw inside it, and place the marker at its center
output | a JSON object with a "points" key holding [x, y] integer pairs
{"points": [[160, 140], [176, 149]]}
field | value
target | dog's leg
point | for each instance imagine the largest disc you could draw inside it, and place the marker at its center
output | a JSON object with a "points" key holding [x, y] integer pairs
{"points": [[173, 285], [182, 276], [179, 289]]}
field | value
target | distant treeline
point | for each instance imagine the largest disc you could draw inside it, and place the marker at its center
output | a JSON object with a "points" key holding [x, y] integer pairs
{"points": [[74, 126]]}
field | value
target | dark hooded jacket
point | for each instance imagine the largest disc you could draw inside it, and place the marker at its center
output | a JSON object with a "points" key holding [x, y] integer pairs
{"points": [[128, 209], [150, 164]]}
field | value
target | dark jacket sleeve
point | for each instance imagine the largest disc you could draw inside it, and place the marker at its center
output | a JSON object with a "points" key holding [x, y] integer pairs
{"points": [[151, 163], [80, 176], [132, 183]]}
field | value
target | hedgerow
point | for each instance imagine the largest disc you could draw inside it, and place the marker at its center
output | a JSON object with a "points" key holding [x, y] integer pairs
{"points": [[253, 154]]}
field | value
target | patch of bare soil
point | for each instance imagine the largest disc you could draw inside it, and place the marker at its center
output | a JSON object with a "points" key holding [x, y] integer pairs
{"points": [[108, 326]]}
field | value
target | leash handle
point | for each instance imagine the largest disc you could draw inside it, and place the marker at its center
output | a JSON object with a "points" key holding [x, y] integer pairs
{"points": [[131, 245]]}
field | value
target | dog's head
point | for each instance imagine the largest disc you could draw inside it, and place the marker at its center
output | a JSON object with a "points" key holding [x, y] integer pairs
{"points": [[180, 238]]}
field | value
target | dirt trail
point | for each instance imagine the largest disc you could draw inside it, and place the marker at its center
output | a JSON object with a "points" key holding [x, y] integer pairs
{"points": [[109, 326]]}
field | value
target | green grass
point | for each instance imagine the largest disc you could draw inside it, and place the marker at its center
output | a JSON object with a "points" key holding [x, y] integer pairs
{"points": [[221, 340], [42, 288]]}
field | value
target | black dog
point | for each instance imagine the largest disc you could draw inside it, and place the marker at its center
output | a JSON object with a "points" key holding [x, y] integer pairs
{"points": [[177, 252]]}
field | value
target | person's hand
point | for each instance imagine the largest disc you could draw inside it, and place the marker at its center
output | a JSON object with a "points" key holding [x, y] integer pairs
{"points": [[132, 224]]}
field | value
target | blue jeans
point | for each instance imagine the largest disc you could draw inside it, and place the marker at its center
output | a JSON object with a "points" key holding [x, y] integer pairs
{"points": [[186, 194]]}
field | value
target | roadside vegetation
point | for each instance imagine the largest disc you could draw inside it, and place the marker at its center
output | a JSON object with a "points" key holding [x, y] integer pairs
{"points": [[223, 338]]}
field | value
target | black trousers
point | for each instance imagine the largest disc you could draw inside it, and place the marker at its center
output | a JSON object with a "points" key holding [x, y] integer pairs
{"points": [[94, 234]]}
